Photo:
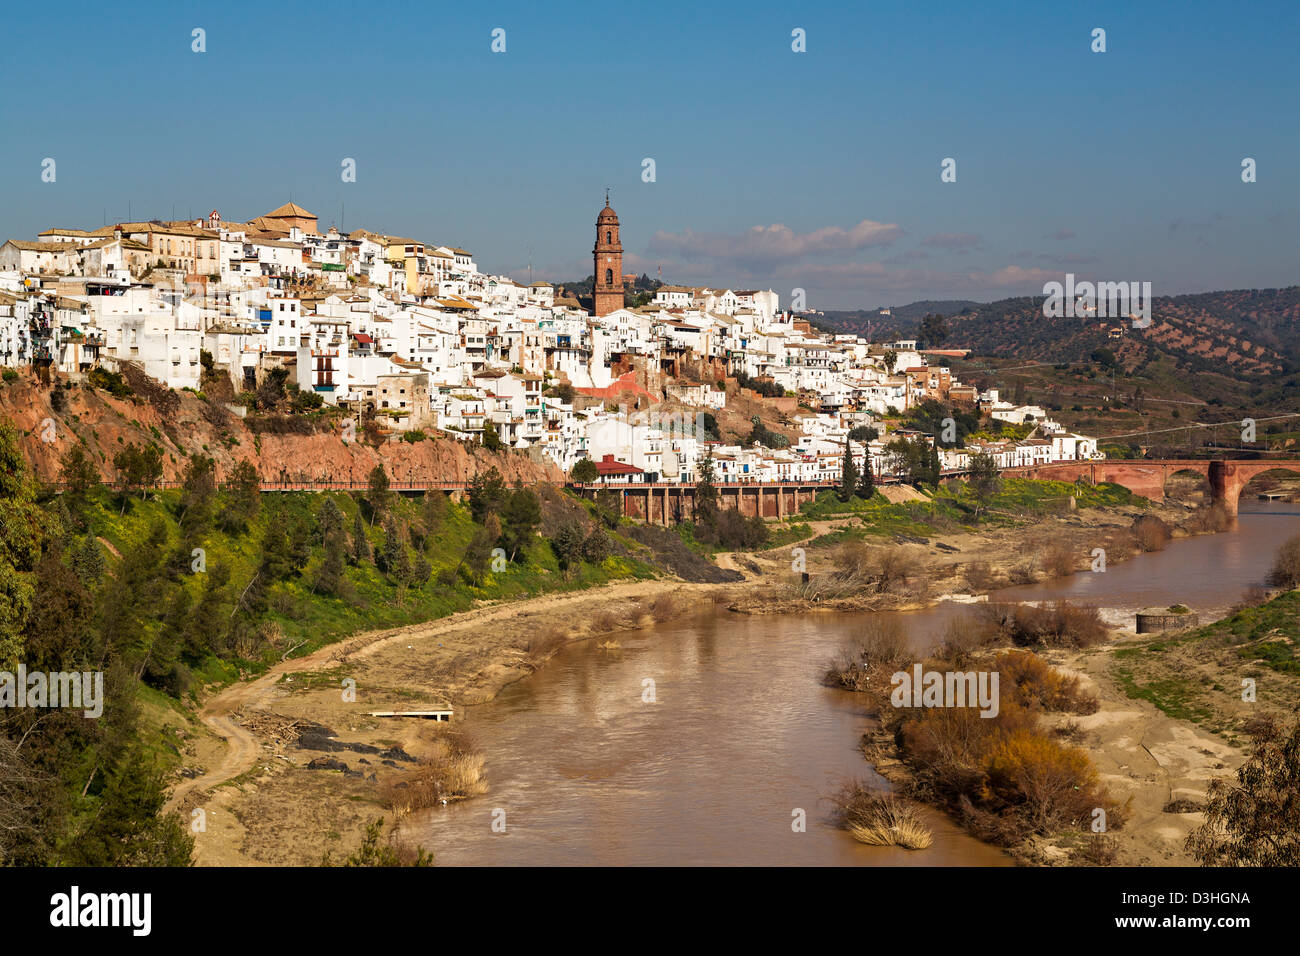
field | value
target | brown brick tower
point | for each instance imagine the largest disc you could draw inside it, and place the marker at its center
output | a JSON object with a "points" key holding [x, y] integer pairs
{"points": [[609, 262]]}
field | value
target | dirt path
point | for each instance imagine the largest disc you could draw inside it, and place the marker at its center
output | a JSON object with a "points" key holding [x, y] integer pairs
{"points": [[728, 562], [1148, 758], [244, 749]]}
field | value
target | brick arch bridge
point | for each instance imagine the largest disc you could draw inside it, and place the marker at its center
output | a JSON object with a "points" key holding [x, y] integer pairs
{"points": [[1147, 477]]}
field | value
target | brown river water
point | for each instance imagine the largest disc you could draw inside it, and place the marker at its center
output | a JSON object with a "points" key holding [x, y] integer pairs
{"points": [[741, 733]]}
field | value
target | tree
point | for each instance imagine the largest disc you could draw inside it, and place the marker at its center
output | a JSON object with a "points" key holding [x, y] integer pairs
{"points": [[79, 475], [360, 540], [491, 439], [1256, 822], [329, 576], [21, 533], [131, 829], [271, 391], [487, 492], [88, 561], [584, 471], [477, 555], [329, 519], [394, 560], [568, 544], [984, 480], [867, 483], [864, 434], [596, 546], [609, 506], [706, 493], [936, 465], [934, 330], [138, 467], [378, 495], [1103, 356], [243, 496], [848, 474], [909, 459], [520, 517], [433, 512], [198, 497]]}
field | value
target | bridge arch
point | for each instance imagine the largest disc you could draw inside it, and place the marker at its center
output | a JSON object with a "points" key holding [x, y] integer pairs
{"points": [[1189, 484], [1229, 478]]}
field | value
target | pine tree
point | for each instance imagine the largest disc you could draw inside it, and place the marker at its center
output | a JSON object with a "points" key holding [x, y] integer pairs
{"points": [[389, 556], [88, 562], [379, 495], [520, 517], [568, 544], [244, 496], [329, 576], [360, 542], [706, 493], [867, 483], [848, 474], [329, 519]]}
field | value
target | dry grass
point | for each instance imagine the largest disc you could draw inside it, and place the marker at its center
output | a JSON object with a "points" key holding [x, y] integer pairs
{"points": [[611, 619], [454, 773], [1150, 533], [882, 570], [880, 648], [1025, 572], [542, 646], [1098, 851], [1253, 596], [881, 819], [1031, 682], [664, 607], [963, 637], [1211, 518], [1059, 559], [980, 577], [1058, 624], [1286, 566]]}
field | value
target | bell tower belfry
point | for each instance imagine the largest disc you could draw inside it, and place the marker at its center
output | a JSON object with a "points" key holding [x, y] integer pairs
{"points": [[608, 255]]}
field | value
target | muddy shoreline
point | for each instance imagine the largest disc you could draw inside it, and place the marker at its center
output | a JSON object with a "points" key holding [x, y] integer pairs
{"points": [[256, 814]]}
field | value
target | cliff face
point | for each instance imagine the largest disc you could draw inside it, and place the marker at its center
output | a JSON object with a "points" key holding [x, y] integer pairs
{"points": [[103, 425]]}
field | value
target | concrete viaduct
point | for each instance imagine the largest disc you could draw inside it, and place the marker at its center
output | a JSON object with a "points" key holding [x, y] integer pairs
{"points": [[665, 503]]}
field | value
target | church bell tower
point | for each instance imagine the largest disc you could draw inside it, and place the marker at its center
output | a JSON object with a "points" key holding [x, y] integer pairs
{"points": [[608, 262]]}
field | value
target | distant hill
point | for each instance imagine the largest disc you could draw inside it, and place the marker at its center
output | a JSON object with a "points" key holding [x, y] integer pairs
{"points": [[902, 321], [1245, 334]]}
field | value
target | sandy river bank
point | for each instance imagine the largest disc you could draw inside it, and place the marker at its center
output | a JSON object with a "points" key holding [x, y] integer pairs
{"points": [[264, 805]]}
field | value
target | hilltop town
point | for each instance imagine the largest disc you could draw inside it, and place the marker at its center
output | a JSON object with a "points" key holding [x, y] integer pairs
{"points": [[414, 338]]}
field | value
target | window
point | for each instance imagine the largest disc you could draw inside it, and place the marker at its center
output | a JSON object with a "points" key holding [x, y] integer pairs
{"points": [[609, 236], [609, 277]]}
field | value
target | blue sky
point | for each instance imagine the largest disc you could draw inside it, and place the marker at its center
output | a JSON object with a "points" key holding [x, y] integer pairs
{"points": [[816, 170]]}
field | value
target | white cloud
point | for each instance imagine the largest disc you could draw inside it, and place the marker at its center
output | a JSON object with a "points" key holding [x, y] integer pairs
{"points": [[764, 246]]}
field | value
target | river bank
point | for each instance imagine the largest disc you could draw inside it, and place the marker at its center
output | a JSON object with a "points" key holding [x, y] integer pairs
{"points": [[264, 804]]}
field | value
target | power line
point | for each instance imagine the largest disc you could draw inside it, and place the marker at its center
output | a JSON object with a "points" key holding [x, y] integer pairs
{"points": [[1194, 425]]}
